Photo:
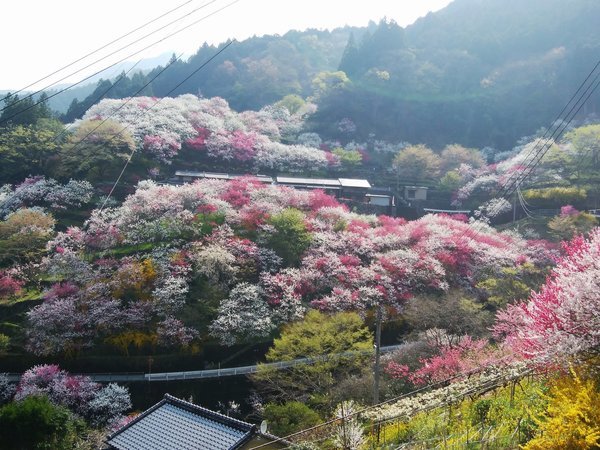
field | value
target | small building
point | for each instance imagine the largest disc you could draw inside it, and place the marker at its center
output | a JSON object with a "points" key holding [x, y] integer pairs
{"points": [[176, 424], [380, 200], [354, 188], [412, 193]]}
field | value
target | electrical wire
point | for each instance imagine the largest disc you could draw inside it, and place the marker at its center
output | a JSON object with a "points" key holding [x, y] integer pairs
{"points": [[558, 118], [94, 51], [148, 109], [98, 98], [368, 408], [392, 400], [102, 59], [125, 58], [528, 212], [539, 151], [520, 178], [126, 102]]}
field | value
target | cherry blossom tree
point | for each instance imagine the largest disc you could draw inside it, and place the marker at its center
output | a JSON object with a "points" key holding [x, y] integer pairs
{"points": [[243, 315], [90, 400], [44, 192], [9, 285], [453, 356], [240, 237], [560, 321], [253, 139]]}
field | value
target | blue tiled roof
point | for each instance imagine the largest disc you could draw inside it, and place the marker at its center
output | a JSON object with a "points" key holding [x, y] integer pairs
{"points": [[174, 424]]}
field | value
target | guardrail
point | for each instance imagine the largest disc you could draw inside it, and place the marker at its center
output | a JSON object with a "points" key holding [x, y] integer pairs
{"points": [[206, 373]]}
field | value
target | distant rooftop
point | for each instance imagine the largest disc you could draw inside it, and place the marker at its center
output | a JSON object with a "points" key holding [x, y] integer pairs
{"points": [[176, 424], [326, 183], [219, 176], [309, 181], [353, 182]]}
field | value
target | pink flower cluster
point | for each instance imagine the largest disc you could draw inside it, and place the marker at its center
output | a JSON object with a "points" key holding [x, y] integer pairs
{"points": [[560, 321]]}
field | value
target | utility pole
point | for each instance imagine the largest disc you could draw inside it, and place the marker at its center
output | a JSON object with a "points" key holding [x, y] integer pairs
{"points": [[377, 354]]}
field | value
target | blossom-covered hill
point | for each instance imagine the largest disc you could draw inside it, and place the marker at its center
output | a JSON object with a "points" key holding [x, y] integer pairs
{"points": [[235, 260], [209, 128]]}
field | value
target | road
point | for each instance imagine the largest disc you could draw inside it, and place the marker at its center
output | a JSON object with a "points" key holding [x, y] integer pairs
{"points": [[199, 374]]}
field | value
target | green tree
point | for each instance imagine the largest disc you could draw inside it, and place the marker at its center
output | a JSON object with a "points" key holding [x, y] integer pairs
{"points": [[291, 237], [4, 343], [24, 111], [24, 235], [565, 226], [512, 284], [35, 424], [350, 62], [293, 103], [29, 149], [416, 164], [554, 197], [290, 417], [585, 142], [326, 82], [348, 158], [78, 108], [454, 155], [450, 182], [340, 345], [97, 150]]}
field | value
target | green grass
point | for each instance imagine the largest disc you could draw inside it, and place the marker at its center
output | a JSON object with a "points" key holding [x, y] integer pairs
{"points": [[27, 296]]}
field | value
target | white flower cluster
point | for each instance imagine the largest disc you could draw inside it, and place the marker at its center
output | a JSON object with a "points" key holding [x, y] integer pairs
{"points": [[470, 385]]}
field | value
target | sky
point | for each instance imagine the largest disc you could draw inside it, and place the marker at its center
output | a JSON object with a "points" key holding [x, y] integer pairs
{"points": [[42, 36]]}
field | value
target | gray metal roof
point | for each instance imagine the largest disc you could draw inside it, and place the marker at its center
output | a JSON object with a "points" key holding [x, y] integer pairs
{"points": [[176, 424], [308, 181], [353, 182], [220, 176], [191, 173]]}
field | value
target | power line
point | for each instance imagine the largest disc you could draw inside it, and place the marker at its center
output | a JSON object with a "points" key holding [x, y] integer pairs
{"points": [[538, 157], [368, 408], [100, 97], [471, 232], [538, 151], [105, 57], [156, 103], [128, 56], [129, 99], [558, 117], [95, 51]]}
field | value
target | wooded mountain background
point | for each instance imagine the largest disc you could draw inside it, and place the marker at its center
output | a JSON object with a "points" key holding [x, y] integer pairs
{"points": [[478, 72]]}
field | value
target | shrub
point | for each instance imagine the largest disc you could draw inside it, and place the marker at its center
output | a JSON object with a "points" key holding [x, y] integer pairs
{"points": [[35, 423], [572, 419], [551, 197], [290, 417]]}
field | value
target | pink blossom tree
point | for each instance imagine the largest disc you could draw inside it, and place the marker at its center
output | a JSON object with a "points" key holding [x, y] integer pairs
{"points": [[99, 405], [9, 284], [561, 320]]}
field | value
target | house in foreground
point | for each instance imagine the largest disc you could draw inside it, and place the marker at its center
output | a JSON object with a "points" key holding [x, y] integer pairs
{"points": [[174, 424]]}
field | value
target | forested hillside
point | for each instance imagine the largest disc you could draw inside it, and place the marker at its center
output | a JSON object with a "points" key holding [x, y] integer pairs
{"points": [[152, 229], [479, 73]]}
